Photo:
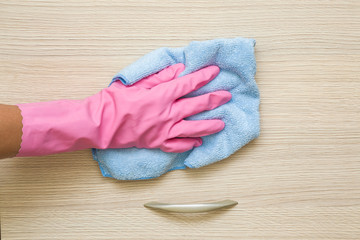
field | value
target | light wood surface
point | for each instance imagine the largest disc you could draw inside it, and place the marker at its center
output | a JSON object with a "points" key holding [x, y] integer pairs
{"points": [[299, 180]]}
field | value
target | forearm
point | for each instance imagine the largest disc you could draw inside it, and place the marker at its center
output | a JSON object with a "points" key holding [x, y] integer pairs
{"points": [[10, 130]]}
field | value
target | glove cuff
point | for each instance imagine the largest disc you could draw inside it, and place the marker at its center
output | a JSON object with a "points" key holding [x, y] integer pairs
{"points": [[56, 126]]}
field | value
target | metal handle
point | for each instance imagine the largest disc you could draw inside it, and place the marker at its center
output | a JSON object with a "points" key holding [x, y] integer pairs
{"points": [[190, 208]]}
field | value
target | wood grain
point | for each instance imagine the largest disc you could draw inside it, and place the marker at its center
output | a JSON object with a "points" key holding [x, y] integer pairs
{"points": [[299, 180]]}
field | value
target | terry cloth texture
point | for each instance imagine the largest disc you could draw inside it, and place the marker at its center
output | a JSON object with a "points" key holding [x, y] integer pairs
{"points": [[236, 60]]}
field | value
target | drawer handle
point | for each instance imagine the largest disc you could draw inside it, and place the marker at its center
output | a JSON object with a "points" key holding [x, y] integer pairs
{"points": [[190, 208]]}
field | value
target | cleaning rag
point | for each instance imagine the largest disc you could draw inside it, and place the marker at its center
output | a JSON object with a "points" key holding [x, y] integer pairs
{"points": [[236, 60]]}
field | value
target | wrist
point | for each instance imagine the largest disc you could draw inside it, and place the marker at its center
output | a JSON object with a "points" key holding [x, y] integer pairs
{"points": [[10, 130]]}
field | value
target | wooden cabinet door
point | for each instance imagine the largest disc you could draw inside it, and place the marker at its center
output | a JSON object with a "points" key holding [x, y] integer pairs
{"points": [[299, 180]]}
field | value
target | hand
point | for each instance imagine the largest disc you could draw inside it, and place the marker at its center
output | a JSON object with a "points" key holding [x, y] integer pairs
{"points": [[150, 114]]}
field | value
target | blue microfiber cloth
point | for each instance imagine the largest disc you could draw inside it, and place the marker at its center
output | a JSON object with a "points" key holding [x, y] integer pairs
{"points": [[236, 60]]}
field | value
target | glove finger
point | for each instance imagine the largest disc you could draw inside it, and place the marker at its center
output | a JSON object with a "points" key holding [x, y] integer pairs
{"points": [[163, 76], [179, 145], [197, 128], [186, 107], [183, 85]]}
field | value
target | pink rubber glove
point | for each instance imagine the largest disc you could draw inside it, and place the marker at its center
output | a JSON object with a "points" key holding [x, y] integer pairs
{"points": [[148, 114]]}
